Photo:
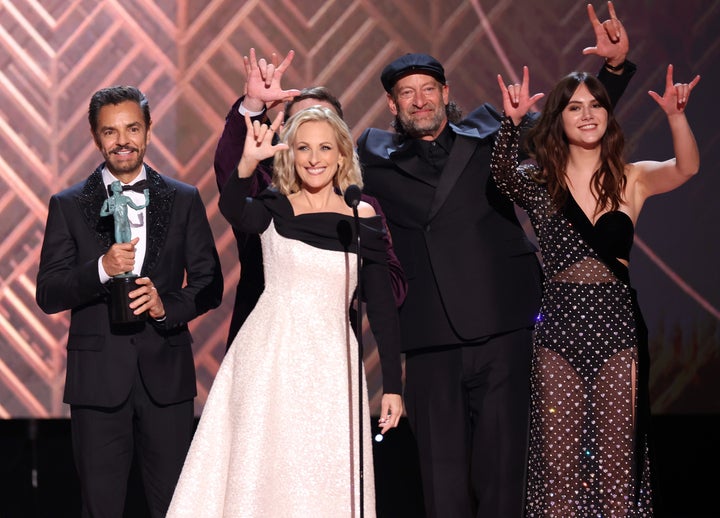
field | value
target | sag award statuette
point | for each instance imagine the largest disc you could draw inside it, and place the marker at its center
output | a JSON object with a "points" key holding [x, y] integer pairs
{"points": [[122, 284]]}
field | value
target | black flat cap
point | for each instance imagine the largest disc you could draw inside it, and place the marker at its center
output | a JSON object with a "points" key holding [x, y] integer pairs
{"points": [[411, 64]]}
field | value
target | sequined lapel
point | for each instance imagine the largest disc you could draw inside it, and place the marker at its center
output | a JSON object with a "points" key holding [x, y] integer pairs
{"points": [[158, 218], [90, 200]]}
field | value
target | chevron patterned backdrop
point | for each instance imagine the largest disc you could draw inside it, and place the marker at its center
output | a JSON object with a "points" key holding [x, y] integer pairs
{"points": [[186, 55]]}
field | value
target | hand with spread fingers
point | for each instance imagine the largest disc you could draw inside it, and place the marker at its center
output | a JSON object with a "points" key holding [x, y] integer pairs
{"points": [[612, 41], [675, 98], [516, 97], [263, 87], [259, 144]]}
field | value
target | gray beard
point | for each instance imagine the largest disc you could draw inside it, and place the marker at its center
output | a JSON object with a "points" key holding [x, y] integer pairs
{"points": [[410, 129]]}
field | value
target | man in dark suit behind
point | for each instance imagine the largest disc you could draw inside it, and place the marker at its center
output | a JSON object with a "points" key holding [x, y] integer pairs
{"points": [[130, 387], [473, 284]]}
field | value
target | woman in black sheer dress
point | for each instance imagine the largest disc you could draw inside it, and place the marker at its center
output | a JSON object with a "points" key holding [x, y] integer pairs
{"points": [[588, 452]]}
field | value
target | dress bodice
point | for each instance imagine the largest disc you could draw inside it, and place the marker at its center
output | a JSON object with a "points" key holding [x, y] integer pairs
{"points": [[594, 258], [614, 231], [329, 231]]}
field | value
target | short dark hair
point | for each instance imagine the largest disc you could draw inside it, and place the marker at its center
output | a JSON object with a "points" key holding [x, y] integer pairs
{"points": [[320, 93], [116, 95]]}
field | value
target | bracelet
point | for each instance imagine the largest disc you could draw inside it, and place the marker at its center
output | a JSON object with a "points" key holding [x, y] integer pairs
{"points": [[615, 68]]}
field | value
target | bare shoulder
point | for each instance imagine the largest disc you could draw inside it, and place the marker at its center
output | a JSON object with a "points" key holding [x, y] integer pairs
{"points": [[632, 172], [632, 169], [365, 210], [637, 175]]}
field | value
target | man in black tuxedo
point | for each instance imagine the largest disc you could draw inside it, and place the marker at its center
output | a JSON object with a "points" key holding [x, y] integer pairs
{"points": [[473, 283], [130, 387]]}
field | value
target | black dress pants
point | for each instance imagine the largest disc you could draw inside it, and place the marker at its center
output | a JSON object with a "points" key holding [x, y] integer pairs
{"points": [[468, 407], [106, 439]]}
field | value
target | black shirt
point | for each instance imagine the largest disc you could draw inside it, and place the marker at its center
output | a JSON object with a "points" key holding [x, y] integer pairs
{"points": [[436, 152]]}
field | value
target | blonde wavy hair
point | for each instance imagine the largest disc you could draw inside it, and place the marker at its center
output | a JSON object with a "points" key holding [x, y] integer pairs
{"points": [[286, 179]]}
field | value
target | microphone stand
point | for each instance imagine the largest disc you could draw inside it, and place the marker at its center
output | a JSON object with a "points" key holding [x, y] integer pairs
{"points": [[352, 198]]}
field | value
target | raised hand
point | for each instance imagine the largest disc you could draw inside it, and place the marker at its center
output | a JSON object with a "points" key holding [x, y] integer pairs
{"points": [[612, 41], [263, 88], [259, 144], [516, 97], [676, 95]]}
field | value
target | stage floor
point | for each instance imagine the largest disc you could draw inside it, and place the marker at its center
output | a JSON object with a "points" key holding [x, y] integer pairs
{"points": [[38, 480]]}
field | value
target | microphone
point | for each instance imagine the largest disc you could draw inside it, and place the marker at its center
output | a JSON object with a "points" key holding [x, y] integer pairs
{"points": [[352, 198], [352, 195]]}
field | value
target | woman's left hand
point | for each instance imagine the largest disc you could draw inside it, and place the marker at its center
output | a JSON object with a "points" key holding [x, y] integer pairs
{"points": [[391, 409]]}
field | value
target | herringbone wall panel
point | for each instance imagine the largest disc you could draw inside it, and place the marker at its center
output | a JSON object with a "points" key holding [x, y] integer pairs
{"points": [[187, 57]]}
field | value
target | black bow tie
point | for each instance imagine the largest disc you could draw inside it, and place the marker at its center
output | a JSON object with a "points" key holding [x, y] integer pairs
{"points": [[138, 186]]}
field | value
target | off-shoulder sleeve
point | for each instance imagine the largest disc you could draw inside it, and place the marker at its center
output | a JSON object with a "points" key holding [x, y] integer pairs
{"points": [[244, 213], [381, 308], [397, 274]]}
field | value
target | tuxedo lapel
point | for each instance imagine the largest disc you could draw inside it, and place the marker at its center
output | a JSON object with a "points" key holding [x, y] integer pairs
{"points": [[158, 214], [414, 166], [91, 198], [406, 159], [460, 155]]}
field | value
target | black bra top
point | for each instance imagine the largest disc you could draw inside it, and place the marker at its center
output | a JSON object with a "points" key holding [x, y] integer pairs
{"points": [[614, 232]]}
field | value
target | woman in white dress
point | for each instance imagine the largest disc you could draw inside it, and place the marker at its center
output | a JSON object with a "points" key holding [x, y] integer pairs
{"points": [[279, 434]]}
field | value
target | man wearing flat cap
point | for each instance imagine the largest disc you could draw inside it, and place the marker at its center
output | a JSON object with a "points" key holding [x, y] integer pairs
{"points": [[411, 64], [474, 284]]}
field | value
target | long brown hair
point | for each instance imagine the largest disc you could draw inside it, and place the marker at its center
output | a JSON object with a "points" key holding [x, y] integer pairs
{"points": [[548, 145]]}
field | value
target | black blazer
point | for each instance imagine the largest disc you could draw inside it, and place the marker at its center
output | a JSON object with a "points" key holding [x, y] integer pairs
{"points": [[102, 362], [472, 272]]}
